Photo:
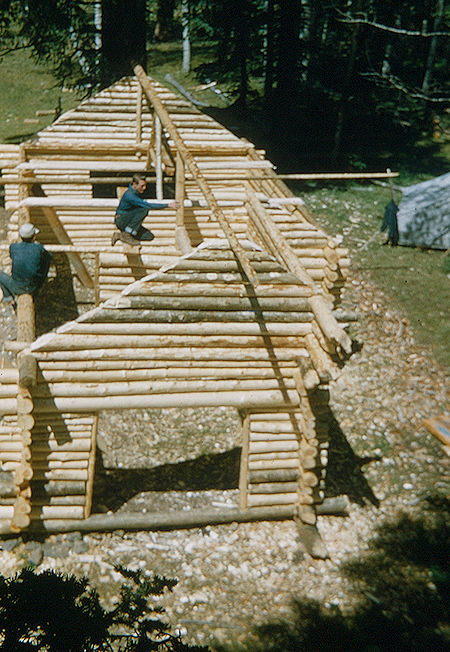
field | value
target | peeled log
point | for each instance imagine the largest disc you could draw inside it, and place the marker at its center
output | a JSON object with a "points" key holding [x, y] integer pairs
{"points": [[273, 476], [168, 521], [238, 399], [27, 370], [57, 488]]}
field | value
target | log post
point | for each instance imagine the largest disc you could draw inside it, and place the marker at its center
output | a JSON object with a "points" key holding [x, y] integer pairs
{"points": [[243, 474], [312, 540], [26, 329], [179, 190], [182, 239], [27, 365], [97, 279], [139, 115], [27, 377], [24, 189], [151, 146], [158, 157], [91, 469]]}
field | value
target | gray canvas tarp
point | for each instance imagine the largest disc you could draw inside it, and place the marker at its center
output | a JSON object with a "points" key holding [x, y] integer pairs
{"points": [[424, 214]]}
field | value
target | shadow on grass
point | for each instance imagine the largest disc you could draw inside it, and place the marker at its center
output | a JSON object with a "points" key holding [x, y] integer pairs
{"points": [[16, 139], [401, 589]]}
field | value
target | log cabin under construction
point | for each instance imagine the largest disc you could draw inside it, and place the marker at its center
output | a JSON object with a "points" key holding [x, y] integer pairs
{"points": [[232, 304]]}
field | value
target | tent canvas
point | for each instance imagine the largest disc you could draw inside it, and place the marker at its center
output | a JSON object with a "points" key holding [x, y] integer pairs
{"points": [[424, 214]]}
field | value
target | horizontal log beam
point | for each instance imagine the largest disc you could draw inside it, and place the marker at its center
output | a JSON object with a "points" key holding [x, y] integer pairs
{"points": [[166, 387], [199, 354], [170, 521], [273, 476], [238, 399], [106, 376], [68, 342], [57, 488]]}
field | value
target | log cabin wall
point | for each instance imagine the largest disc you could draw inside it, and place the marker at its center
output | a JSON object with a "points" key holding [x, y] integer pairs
{"points": [[231, 304]]}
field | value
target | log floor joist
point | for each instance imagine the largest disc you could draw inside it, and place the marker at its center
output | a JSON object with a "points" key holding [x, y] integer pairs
{"points": [[232, 304]]}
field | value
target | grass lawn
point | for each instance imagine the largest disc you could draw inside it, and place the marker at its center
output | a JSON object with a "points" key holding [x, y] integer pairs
{"points": [[24, 89], [416, 281]]}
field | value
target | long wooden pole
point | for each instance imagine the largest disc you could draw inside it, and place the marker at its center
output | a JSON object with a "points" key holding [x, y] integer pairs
{"points": [[189, 161], [279, 177], [239, 399], [139, 115], [158, 157]]}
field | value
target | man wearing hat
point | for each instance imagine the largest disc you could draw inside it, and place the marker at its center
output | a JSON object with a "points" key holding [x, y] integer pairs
{"points": [[30, 265]]}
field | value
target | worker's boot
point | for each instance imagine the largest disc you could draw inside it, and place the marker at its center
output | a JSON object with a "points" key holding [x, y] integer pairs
{"points": [[115, 237]]}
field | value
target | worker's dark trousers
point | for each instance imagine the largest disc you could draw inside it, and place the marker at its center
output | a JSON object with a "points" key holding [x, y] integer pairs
{"points": [[132, 223]]}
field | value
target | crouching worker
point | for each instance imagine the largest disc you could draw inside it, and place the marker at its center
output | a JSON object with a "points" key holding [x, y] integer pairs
{"points": [[132, 211], [30, 263]]}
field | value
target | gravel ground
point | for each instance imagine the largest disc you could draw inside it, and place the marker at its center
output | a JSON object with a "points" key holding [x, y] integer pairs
{"points": [[232, 577]]}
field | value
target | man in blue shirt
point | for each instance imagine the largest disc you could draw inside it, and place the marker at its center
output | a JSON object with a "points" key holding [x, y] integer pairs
{"points": [[30, 265], [132, 211]]}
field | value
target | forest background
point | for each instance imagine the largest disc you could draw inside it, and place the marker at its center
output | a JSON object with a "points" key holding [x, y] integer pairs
{"points": [[321, 85]]}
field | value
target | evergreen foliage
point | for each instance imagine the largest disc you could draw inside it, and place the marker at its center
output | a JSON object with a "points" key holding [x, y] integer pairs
{"points": [[56, 612], [337, 76]]}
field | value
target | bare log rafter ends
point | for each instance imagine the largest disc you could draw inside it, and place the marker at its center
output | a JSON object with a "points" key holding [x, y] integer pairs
{"points": [[322, 312]]}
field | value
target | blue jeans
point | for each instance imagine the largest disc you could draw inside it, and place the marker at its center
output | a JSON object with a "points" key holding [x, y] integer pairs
{"points": [[132, 223]]}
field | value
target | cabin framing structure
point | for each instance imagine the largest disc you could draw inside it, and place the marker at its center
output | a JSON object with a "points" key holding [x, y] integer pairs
{"points": [[233, 304]]}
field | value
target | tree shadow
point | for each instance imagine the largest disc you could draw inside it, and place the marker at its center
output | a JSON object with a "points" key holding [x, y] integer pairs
{"points": [[19, 138], [401, 587], [115, 487]]}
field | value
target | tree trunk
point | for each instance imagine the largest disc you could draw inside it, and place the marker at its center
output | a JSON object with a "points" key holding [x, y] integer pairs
{"points": [[186, 40], [270, 60], [164, 28], [346, 88], [242, 38], [123, 38], [287, 77], [433, 45]]}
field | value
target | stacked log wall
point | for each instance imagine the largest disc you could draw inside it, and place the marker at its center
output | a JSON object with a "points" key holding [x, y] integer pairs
{"points": [[178, 331]]}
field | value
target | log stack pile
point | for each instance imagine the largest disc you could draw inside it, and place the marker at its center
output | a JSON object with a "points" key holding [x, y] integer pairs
{"points": [[230, 305]]}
